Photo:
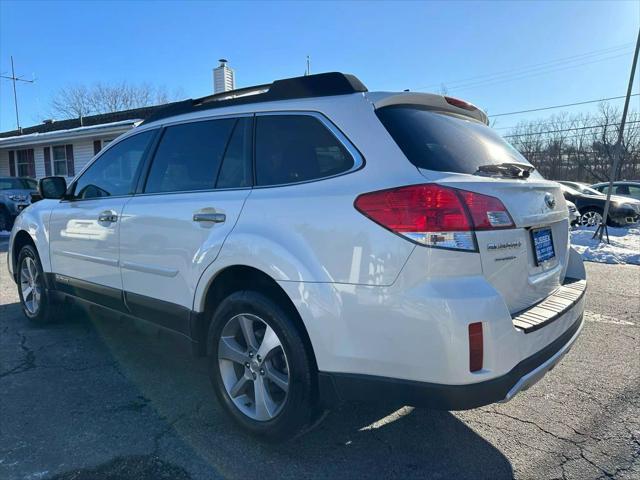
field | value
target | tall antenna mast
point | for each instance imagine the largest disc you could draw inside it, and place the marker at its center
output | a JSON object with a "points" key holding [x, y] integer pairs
{"points": [[15, 94]]}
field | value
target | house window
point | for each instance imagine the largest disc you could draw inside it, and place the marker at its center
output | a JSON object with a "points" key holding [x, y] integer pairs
{"points": [[100, 144], [60, 160], [24, 159]]}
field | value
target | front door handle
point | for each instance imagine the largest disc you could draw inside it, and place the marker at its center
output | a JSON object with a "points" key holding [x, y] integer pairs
{"points": [[209, 217], [108, 216]]}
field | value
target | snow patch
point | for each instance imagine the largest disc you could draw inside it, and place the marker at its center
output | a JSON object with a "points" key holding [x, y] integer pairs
{"points": [[623, 249]]}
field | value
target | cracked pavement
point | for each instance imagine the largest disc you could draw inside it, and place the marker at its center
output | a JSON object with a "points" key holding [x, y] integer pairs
{"points": [[97, 397]]}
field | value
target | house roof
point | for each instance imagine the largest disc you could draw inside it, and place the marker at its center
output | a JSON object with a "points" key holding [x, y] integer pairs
{"points": [[92, 120], [71, 134]]}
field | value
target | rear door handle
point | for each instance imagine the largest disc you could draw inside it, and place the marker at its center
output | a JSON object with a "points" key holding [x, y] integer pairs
{"points": [[209, 217], [108, 216]]}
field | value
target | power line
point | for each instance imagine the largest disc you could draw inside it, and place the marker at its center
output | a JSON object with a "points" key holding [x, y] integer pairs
{"points": [[555, 123], [510, 78], [567, 129], [561, 106], [535, 66]]}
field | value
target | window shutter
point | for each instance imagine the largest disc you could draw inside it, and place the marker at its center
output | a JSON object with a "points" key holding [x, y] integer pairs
{"points": [[97, 146], [12, 163], [70, 165], [47, 161], [31, 162]]}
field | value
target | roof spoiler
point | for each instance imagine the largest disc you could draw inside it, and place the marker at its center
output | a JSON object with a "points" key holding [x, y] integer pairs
{"points": [[431, 100]]}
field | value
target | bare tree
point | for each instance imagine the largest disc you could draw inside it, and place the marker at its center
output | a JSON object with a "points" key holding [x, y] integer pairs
{"points": [[579, 147], [72, 102], [80, 100]]}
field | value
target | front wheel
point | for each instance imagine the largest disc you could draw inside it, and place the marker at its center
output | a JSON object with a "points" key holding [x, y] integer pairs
{"points": [[34, 299], [260, 368]]}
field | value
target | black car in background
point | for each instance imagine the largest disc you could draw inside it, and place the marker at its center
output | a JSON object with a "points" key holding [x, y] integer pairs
{"points": [[590, 203]]}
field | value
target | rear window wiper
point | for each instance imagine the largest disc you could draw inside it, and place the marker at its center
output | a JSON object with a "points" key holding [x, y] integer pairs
{"points": [[512, 170]]}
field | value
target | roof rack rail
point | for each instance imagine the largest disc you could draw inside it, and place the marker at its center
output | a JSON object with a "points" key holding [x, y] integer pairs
{"points": [[319, 85]]}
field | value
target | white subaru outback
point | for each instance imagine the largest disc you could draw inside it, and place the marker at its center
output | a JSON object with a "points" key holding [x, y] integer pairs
{"points": [[320, 243]]}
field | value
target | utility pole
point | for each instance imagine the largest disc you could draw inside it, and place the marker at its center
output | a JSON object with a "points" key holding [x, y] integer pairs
{"points": [[15, 95], [308, 71], [602, 228]]}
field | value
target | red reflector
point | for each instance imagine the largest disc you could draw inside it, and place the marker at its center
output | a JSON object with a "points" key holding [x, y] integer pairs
{"points": [[456, 102], [475, 346], [487, 212], [416, 208]]}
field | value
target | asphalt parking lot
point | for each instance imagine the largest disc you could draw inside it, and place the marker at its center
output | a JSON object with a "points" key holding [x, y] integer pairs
{"points": [[96, 397]]}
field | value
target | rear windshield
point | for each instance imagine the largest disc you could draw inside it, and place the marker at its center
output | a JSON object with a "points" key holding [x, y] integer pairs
{"points": [[445, 142]]}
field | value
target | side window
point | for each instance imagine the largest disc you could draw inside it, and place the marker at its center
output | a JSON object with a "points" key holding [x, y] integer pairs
{"points": [[621, 189], [295, 148], [236, 170], [189, 156], [114, 172], [634, 192]]}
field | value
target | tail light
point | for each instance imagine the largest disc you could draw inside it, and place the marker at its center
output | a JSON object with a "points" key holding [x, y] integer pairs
{"points": [[434, 215], [476, 347]]}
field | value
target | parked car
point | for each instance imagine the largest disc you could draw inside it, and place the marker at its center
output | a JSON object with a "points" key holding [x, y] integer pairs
{"points": [[574, 214], [621, 189], [321, 244], [581, 187], [15, 195], [622, 211]]}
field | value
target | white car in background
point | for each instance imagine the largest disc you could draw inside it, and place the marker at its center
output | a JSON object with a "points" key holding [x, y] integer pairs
{"points": [[320, 243]]}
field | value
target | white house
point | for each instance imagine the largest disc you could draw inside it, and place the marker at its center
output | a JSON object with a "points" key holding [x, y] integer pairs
{"points": [[63, 147]]}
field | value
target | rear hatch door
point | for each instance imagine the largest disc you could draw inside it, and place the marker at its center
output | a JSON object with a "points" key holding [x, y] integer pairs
{"points": [[461, 152]]}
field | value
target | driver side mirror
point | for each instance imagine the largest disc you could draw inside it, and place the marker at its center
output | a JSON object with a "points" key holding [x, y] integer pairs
{"points": [[52, 187]]}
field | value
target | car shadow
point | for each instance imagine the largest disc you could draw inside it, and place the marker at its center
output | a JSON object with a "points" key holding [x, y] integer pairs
{"points": [[162, 378]]}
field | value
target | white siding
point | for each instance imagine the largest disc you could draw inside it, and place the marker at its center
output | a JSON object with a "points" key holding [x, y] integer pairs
{"points": [[82, 153], [38, 154]]}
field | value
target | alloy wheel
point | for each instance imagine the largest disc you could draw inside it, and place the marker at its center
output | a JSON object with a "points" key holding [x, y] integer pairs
{"points": [[591, 218], [30, 285], [253, 367]]}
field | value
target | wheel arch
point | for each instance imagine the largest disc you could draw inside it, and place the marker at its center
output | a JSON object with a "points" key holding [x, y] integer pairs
{"points": [[234, 278], [21, 238]]}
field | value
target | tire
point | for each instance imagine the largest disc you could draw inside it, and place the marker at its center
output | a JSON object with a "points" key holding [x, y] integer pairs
{"points": [[5, 221], [284, 413], [43, 310], [591, 217]]}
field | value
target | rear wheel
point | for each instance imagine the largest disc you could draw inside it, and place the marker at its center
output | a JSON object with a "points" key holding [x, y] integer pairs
{"points": [[35, 301], [260, 369], [591, 217]]}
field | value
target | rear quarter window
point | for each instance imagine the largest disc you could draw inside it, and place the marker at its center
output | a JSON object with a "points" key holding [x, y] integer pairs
{"points": [[443, 141], [297, 148]]}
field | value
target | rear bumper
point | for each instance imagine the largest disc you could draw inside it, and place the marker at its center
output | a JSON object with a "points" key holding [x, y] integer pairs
{"points": [[336, 388]]}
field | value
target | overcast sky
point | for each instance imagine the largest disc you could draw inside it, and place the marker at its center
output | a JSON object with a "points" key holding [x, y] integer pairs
{"points": [[501, 56]]}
